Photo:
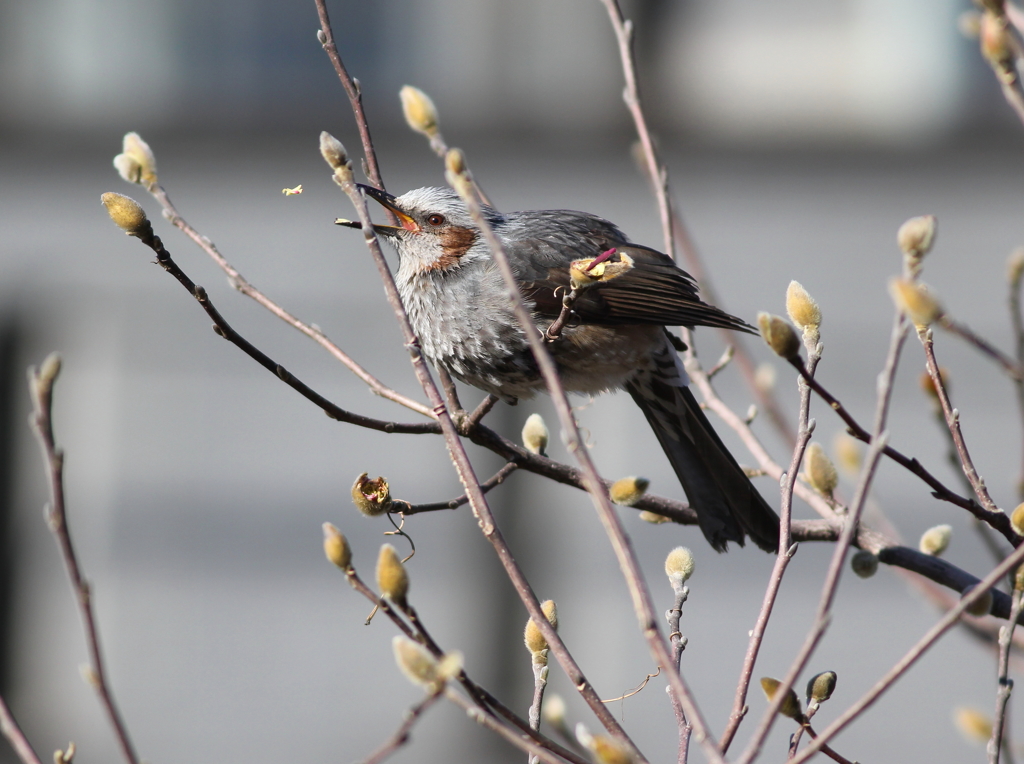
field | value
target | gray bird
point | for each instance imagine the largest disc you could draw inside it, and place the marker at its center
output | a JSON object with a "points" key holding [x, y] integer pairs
{"points": [[460, 311]]}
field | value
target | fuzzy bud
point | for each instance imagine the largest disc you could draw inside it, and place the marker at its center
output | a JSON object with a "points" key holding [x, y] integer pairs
{"points": [[821, 686], [973, 724], [139, 162], [420, 112], [653, 518], [1018, 579], [994, 39], [864, 563], [608, 750], [628, 491], [916, 236], [679, 566], [1015, 266], [336, 547], [333, 152], [821, 473], [455, 162], [535, 435], [554, 711], [935, 541], [916, 301], [371, 497], [790, 705], [847, 450], [416, 662], [127, 214], [981, 606], [802, 309], [534, 637], [779, 335], [392, 580], [1017, 519], [48, 370]]}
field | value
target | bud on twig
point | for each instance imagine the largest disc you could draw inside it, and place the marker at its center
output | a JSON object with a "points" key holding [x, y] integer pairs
{"points": [[333, 152], [935, 541], [420, 112], [916, 236], [127, 214], [534, 637], [653, 518], [628, 491], [847, 450], [535, 435], [136, 162], [455, 162], [371, 497], [790, 705], [802, 309], [679, 566], [821, 686], [994, 38], [336, 547], [392, 580], [1015, 267], [820, 471], [973, 724], [415, 661], [864, 563], [916, 301], [779, 335], [1017, 519]]}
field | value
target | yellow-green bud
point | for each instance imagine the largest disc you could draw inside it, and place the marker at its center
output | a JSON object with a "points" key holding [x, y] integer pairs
{"points": [[1017, 519], [791, 703], [332, 151], [821, 686], [420, 112], [1018, 579], [935, 541], [653, 518], [821, 473], [994, 39], [864, 563], [848, 453], [608, 750], [455, 162], [127, 214], [534, 637], [628, 491], [392, 580], [49, 369], [371, 497], [917, 235], [415, 661], [141, 154], [916, 301], [802, 309], [973, 724], [981, 606], [535, 435], [336, 547], [679, 565], [780, 335], [1015, 266], [128, 168]]}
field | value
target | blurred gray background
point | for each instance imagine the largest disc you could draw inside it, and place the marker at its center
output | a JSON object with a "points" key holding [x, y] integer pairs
{"points": [[798, 135]]}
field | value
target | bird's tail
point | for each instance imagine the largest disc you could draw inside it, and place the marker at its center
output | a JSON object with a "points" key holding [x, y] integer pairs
{"points": [[727, 504]]}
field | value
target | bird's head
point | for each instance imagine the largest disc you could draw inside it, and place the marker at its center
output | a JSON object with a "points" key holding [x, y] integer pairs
{"points": [[435, 231]]}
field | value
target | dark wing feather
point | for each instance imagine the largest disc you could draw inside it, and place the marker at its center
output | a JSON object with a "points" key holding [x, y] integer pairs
{"points": [[655, 291]]}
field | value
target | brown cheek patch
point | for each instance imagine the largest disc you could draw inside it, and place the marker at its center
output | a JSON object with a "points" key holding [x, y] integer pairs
{"points": [[455, 242]]}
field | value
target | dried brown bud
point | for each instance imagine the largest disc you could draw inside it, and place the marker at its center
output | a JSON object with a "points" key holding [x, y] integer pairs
{"points": [[628, 491], [392, 580], [821, 686], [127, 214], [821, 473], [802, 309], [653, 518], [336, 547], [864, 563], [982, 605], [139, 152], [935, 541], [917, 235], [333, 152], [780, 335], [594, 270], [420, 112], [916, 301], [534, 637], [1017, 519], [973, 724], [790, 705], [371, 497], [535, 435], [679, 566]]}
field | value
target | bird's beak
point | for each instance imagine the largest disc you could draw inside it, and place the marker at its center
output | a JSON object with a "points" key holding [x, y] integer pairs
{"points": [[387, 201]]}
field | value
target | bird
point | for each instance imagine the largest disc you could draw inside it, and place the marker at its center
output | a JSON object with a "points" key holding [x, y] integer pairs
{"points": [[460, 310]]}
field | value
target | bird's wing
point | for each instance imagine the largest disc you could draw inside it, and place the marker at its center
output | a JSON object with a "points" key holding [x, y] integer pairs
{"points": [[654, 291]]}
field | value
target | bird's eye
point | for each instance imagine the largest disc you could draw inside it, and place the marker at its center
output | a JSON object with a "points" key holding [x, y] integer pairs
{"points": [[435, 219]]}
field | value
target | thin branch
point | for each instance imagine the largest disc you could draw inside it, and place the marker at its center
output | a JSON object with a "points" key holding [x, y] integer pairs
{"points": [[678, 645], [1017, 322], [964, 332], [10, 730], [405, 508], [540, 683], [41, 387], [995, 745], [401, 735], [908, 660], [621, 545], [480, 412]]}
